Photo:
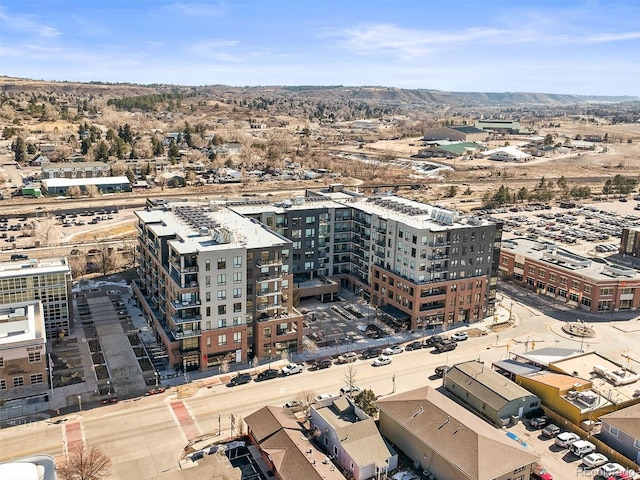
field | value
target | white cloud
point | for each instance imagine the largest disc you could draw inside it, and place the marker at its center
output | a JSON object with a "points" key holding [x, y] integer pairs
{"points": [[409, 43], [28, 24], [198, 9]]}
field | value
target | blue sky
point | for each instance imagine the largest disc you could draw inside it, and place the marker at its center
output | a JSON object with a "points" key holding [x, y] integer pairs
{"points": [[554, 46]]}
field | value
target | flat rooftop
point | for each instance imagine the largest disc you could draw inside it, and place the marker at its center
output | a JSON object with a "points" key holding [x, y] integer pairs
{"points": [[605, 375], [21, 322], [568, 260], [203, 227], [33, 267], [410, 212]]}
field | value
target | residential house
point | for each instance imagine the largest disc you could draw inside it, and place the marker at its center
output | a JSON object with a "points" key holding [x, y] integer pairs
{"points": [[286, 449], [507, 154], [76, 170], [353, 439], [449, 441], [621, 431], [488, 394]]}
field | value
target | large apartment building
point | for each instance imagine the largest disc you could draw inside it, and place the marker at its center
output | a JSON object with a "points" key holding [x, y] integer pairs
{"points": [[419, 264], [47, 280], [216, 286], [217, 281]]}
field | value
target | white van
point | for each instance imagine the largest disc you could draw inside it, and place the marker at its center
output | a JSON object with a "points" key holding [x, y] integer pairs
{"points": [[580, 448]]}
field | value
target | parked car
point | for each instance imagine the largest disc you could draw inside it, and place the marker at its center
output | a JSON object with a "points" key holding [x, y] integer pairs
{"points": [[371, 352], [439, 371], [551, 430], [350, 389], [580, 448], [268, 375], [348, 357], [433, 340], [393, 350], [195, 456], [446, 346], [292, 369], [539, 472], [611, 469], [294, 405], [404, 476], [539, 422], [565, 439], [325, 396], [459, 336], [239, 379], [413, 346], [594, 460], [382, 360], [322, 363]]}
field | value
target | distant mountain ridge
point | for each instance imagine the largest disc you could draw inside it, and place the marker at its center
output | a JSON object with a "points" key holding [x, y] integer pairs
{"points": [[391, 95]]}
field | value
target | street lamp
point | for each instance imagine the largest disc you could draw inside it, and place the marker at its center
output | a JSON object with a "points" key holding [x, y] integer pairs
{"points": [[156, 375], [79, 403], [50, 370], [109, 389]]}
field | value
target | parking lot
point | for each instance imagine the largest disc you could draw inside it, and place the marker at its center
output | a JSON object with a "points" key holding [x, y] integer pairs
{"points": [[592, 229], [558, 461]]}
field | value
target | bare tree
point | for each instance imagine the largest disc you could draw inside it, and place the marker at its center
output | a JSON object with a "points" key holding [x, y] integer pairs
{"points": [[92, 191], [85, 464], [105, 257], [78, 265], [307, 397], [350, 376], [74, 191]]}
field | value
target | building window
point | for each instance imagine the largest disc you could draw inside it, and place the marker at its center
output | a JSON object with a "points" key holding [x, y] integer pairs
{"points": [[3, 384], [207, 296], [222, 263], [237, 307], [1, 362], [587, 289], [237, 292], [222, 340], [222, 309], [636, 443], [222, 294], [34, 357], [222, 279], [222, 323], [36, 378], [208, 311], [18, 382], [207, 281], [237, 277], [612, 430], [237, 337], [237, 320], [237, 262], [207, 265]]}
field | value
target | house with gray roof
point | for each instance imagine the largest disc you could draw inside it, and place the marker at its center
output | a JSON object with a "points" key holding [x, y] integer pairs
{"points": [[353, 439], [449, 441], [489, 394], [621, 431]]}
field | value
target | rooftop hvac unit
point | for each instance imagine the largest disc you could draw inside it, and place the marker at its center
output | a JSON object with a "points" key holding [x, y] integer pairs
{"points": [[571, 395], [588, 398]]}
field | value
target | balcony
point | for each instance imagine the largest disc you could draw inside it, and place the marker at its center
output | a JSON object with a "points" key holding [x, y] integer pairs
{"points": [[431, 306], [175, 262], [179, 333], [268, 293], [433, 292], [267, 262], [180, 305], [442, 256], [439, 244], [268, 306], [268, 278], [182, 320]]}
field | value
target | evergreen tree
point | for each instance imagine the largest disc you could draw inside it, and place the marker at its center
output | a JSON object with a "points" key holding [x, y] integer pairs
{"points": [[19, 150], [102, 153]]}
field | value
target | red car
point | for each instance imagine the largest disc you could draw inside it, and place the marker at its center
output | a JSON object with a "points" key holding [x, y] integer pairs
{"points": [[538, 471]]}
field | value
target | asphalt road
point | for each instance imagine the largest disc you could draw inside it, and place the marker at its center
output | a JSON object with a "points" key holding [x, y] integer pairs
{"points": [[146, 436]]}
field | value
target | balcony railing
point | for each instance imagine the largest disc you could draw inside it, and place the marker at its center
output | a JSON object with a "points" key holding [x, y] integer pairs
{"points": [[432, 293], [178, 334], [267, 293], [266, 262], [268, 306], [190, 304], [181, 320], [268, 278]]}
